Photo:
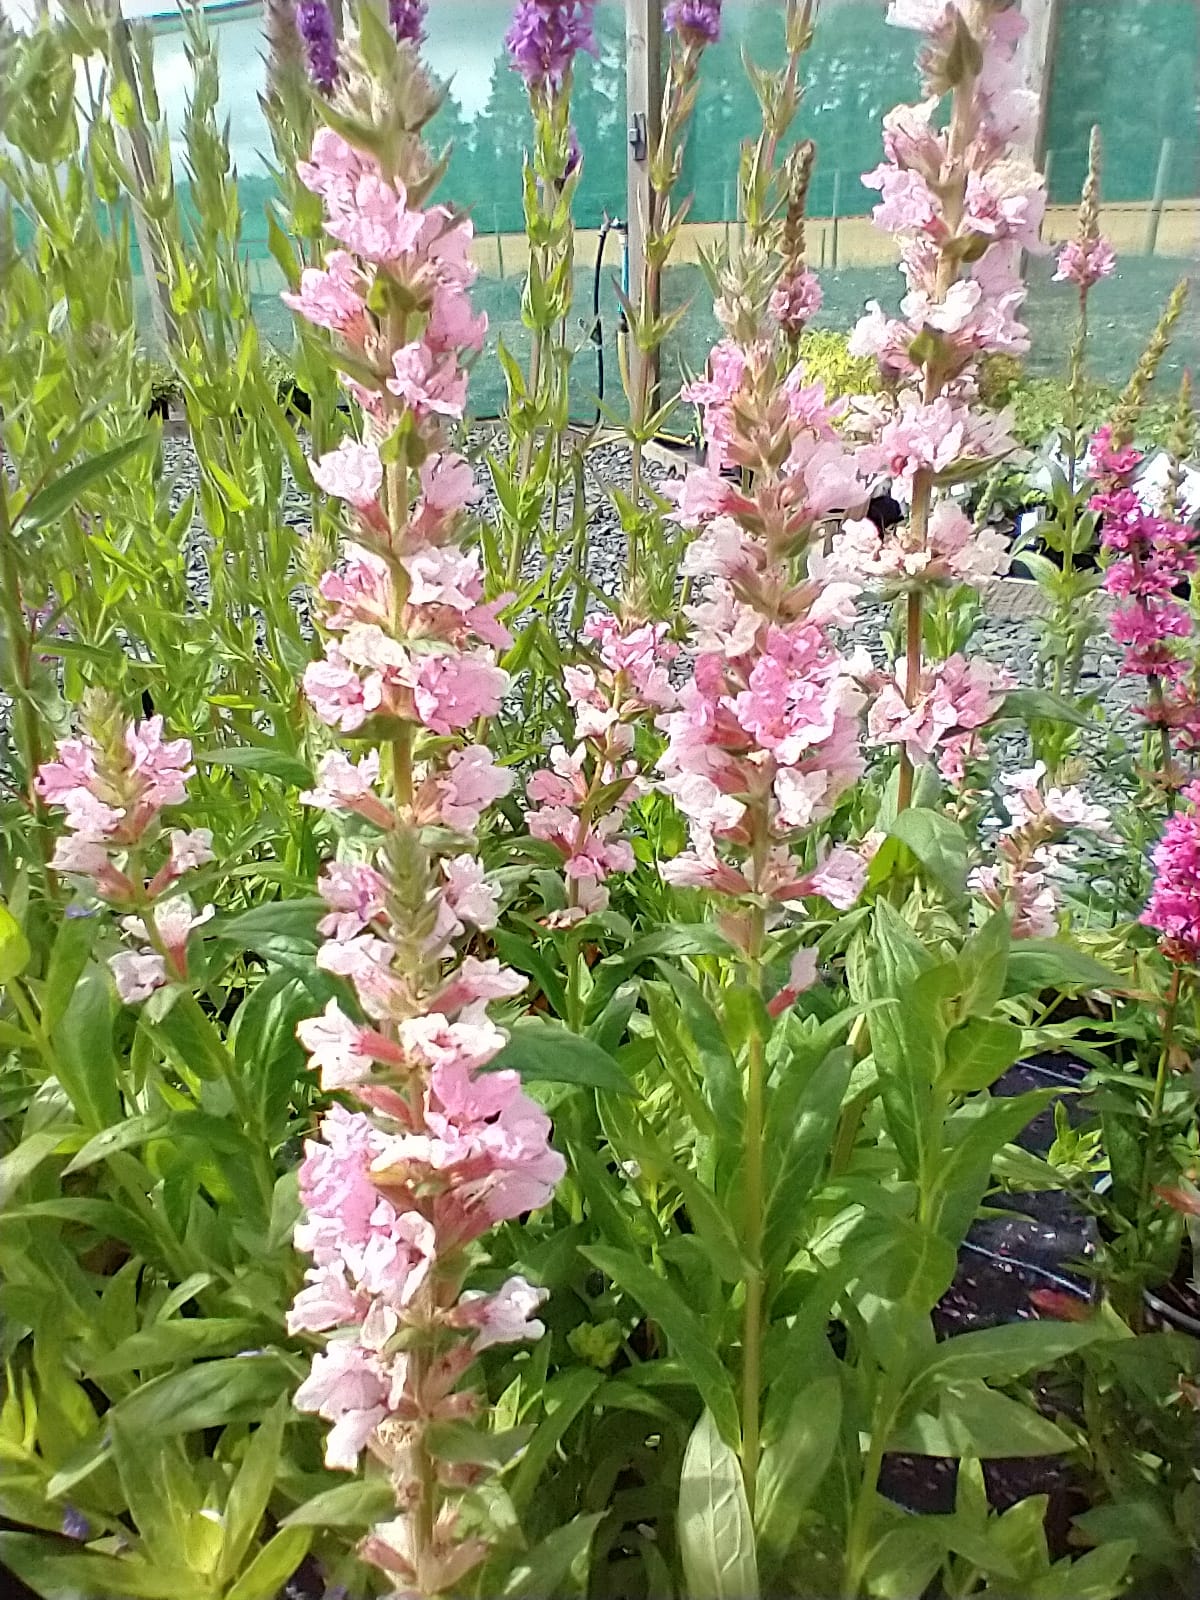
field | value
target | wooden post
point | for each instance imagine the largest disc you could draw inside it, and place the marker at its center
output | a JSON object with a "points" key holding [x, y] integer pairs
{"points": [[834, 221], [1161, 178], [1037, 65], [643, 98]]}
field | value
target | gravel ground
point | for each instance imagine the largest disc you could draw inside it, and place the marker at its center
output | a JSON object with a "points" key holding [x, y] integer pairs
{"points": [[1005, 640]]}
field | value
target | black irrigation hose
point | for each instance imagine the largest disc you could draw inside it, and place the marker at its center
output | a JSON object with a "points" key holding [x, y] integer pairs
{"points": [[609, 225]]}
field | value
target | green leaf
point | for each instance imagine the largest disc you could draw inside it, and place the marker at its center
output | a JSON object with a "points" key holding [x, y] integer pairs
{"points": [[904, 1561], [56, 1576], [281, 926], [55, 498], [800, 1435], [544, 1051], [147, 1481], [349, 1505], [187, 1035], [83, 1049], [1039, 705], [178, 1341], [272, 1566], [68, 959], [978, 1052], [131, 1133], [965, 1167], [563, 1398], [1038, 964], [237, 1389], [259, 758], [33, 1149], [802, 1158], [686, 939], [683, 1329], [938, 844], [266, 1052], [718, 1067], [971, 1419], [983, 960], [14, 946], [906, 1036], [1006, 1352], [543, 1572], [716, 1535], [252, 1488]]}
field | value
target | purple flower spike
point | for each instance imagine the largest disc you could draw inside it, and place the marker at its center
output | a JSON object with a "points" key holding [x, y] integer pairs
{"points": [[695, 21], [314, 22], [407, 18], [546, 35]]}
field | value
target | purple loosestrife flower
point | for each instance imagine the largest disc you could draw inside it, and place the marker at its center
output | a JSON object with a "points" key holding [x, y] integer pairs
{"points": [[407, 18], [75, 1525], [695, 21], [545, 36], [315, 23]]}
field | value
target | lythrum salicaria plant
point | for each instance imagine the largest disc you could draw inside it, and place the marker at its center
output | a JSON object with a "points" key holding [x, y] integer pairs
{"points": [[397, 1193]]}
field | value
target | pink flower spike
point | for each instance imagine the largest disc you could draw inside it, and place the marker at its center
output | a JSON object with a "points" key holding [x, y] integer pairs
{"points": [[1085, 264]]}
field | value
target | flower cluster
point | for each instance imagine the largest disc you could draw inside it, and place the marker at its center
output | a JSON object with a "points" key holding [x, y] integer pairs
{"points": [[578, 803], [1148, 558], [1088, 257], [407, 18], [546, 35], [440, 1148], [1173, 910], [314, 23], [950, 194], [942, 715], [961, 203], [765, 738], [112, 784], [1030, 853], [1085, 262], [953, 552], [695, 22]]}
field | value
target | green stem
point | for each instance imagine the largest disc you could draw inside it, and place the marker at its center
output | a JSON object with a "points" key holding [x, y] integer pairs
{"points": [[20, 646], [912, 669], [860, 1534], [755, 1222], [752, 1328]]}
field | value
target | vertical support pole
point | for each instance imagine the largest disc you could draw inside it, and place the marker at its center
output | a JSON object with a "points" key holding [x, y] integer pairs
{"points": [[499, 241], [643, 99], [1037, 65], [1161, 178], [1036, 62], [835, 220]]}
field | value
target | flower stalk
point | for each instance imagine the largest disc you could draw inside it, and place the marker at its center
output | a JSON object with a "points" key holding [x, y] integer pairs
{"points": [[397, 1192]]}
